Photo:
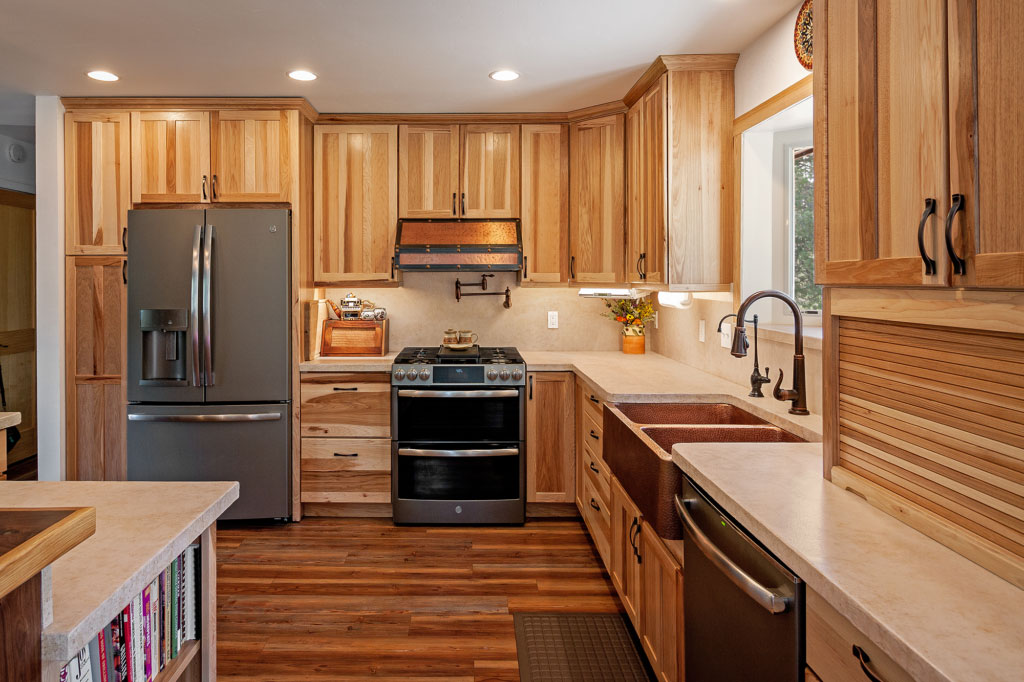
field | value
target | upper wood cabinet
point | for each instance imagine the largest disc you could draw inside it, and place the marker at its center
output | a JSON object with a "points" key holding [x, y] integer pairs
{"points": [[428, 171], [550, 437], [920, 147], [97, 181], [251, 155], [490, 171], [468, 171], [597, 200], [355, 202], [645, 181], [170, 156], [545, 202]]}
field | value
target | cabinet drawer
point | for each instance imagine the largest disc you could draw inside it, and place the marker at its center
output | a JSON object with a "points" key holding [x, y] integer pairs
{"points": [[349, 404], [600, 479], [597, 514], [346, 470], [593, 434], [592, 404], [831, 639]]}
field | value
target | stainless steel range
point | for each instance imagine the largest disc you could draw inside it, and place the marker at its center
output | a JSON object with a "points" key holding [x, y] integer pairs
{"points": [[458, 428]]}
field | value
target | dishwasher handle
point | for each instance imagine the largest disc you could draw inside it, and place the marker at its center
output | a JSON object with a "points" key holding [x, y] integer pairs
{"points": [[766, 598]]}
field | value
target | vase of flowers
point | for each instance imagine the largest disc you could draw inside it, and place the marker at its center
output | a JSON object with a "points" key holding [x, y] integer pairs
{"points": [[633, 315]]}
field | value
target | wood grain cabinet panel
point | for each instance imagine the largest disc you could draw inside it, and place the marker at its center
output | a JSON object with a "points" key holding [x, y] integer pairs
{"points": [[597, 200], [346, 470], [428, 171], [490, 171], [550, 438], [545, 202], [661, 605], [355, 202], [95, 344], [251, 155], [97, 181], [645, 182], [171, 157], [346, 404], [625, 569]]}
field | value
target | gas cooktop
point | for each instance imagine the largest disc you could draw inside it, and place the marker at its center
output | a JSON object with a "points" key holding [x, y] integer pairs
{"points": [[444, 366], [477, 355]]}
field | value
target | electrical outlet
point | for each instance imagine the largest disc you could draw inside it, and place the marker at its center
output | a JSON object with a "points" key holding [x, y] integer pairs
{"points": [[726, 335], [702, 331], [552, 319]]}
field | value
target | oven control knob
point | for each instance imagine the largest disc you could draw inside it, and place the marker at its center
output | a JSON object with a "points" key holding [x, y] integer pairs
{"points": [[411, 376], [492, 374], [517, 374], [504, 374], [424, 374], [399, 374]]}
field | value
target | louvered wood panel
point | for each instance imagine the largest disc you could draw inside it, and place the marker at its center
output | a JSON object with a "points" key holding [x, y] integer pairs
{"points": [[933, 418]]}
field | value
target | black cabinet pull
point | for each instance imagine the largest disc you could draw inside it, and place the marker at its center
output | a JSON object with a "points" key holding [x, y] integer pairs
{"points": [[531, 387], [863, 658], [929, 262], [204, 188], [124, 271], [526, 272], [594, 468], [594, 400], [392, 267], [634, 537], [959, 264], [346, 454], [454, 210], [572, 267], [124, 239], [350, 388], [214, 186], [463, 204], [594, 504], [594, 435], [643, 263]]}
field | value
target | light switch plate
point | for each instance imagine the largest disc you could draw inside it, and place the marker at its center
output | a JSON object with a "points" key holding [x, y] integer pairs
{"points": [[726, 335], [552, 319], [702, 331]]}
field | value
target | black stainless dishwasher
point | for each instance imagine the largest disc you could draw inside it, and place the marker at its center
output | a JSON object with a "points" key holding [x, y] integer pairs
{"points": [[743, 610]]}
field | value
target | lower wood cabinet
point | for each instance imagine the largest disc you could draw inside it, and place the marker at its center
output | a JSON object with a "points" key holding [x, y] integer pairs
{"points": [[346, 470], [550, 441], [661, 605], [626, 564], [348, 404]]}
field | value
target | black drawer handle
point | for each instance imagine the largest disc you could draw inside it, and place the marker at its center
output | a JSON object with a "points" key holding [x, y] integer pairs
{"points": [[594, 435], [959, 264], [594, 504], [594, 468], [929, 262], [594, 400], [864, 660], [124, 239], [352, 388], [346, 454]]}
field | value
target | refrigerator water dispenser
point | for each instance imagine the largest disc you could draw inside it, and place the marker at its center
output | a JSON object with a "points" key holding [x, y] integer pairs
{"points": [[163, 345]]}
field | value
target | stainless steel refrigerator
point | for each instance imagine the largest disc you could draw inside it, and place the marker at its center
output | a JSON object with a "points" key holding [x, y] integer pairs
{"points": [[209, 352]]}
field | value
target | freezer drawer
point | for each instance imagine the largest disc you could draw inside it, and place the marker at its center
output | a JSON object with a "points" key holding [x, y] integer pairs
{"points": [[250, 444]]}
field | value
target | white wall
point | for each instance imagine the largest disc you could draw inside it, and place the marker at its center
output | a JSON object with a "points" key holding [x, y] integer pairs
{"points": [[768, 65], [49, 182], [19, 177]]}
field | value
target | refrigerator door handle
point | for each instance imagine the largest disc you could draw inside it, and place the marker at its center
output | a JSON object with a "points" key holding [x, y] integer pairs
{"points": [[207, 310], [194, 305], [193, 418]]}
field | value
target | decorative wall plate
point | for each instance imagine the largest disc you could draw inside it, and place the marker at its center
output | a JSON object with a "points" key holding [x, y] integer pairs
{"points": [[803, 35]]}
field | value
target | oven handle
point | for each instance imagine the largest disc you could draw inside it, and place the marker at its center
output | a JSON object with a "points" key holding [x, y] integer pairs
{"points": [[500, 393], [492, 452]]}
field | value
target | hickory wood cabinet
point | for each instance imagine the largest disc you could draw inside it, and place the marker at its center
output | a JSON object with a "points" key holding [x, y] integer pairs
{"points": [[97, 181], [645, 185], [921, 149], [355, 202], [458, 171], [550, 440], [625, 555], [95, 346], [544, 216], [221, 155], [597, 200]]}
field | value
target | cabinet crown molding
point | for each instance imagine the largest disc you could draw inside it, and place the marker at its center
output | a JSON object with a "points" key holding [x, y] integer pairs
{"points": [[300, 104], [678, 62]]}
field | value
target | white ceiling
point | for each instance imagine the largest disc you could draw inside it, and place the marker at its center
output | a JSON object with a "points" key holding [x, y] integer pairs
{"points": [[370, 55]]}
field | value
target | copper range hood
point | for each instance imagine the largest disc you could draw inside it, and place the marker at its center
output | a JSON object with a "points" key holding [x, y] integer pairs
{"points": [[466, 245]]}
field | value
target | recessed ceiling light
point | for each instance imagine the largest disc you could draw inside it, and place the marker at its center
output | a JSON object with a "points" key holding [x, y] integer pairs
{"points": [[101, 76], [301, 75], [504, 75]]}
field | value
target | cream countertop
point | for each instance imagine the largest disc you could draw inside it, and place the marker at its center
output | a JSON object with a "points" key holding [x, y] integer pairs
{"points": [[618, 377], [937, 614], [140, 527], [9, 419]]}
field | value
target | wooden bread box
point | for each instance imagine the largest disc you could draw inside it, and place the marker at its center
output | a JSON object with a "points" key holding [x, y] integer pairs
{"points": [[354, 337]]}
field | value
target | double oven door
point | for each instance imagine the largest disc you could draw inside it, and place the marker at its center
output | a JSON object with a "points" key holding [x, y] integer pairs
{"points": [[458, 455]]}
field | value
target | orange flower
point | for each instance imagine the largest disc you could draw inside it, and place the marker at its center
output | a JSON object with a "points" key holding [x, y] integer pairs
{"points": [[620, 318]]}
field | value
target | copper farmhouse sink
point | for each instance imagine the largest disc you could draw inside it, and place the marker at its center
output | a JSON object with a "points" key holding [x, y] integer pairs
{"points": [[667, 436], [686, 413]]}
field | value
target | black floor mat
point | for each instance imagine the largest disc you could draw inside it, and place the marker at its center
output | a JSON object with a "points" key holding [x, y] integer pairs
{"points": [[577, 647]]}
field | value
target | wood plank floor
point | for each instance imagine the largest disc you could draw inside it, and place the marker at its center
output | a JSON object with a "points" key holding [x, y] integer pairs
{"points": [[348, 599]]}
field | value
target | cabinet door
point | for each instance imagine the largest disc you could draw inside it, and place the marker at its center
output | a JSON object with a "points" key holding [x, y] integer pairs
{"points": [[625, 555], [97, 184], [597, 195], [95, 332], [883, 123], [545, 207], [251, 155], [645, 182], [986, 126], [355, 202], [661, 605], [550, 446], [490, 171], [170, 156], [636, 190], [428, 171]]}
